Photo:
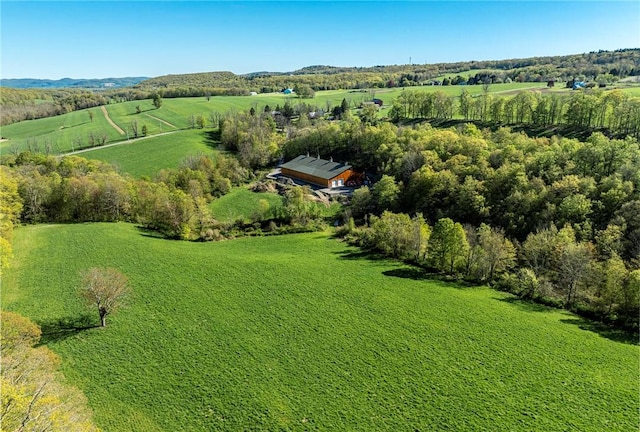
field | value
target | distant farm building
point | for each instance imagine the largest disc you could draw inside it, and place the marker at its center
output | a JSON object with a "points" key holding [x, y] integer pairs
{"points": [[254, 93], [317, 171]]}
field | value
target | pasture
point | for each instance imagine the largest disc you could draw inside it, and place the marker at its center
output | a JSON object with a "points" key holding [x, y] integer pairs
{"points": [[147, 156], [301, 332], [241, 203], [62, 133]]}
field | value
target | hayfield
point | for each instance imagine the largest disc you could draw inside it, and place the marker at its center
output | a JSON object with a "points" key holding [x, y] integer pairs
{"points": [[148, 156], [59, 131], [241, 203], [302, 332]]}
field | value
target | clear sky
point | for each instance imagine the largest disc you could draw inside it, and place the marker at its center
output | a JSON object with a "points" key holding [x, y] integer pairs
{"points": [[81, 39]]}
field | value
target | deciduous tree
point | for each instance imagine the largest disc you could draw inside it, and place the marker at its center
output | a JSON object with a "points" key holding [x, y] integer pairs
{"points": [[157, 100], [448, 245], [105, 289]]}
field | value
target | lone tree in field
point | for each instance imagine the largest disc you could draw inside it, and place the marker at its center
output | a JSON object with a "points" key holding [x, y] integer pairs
{"points": [[104, 288], [157, 100]]}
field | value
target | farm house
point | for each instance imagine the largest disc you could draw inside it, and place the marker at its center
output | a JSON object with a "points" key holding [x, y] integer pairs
{"points": [[318, 171]]}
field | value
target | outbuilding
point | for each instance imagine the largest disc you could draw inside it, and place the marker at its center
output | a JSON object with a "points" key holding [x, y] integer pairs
{"points": [[320, 172]]}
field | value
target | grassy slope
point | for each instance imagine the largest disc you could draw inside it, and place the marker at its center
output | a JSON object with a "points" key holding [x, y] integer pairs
{"points": [[300, 332], [60, 131], [241, 203], [148, 156]]}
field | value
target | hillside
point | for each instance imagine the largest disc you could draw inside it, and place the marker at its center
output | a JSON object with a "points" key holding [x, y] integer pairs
{"points": [[71, 83], [607, 65], [601, 68], [301, 333]]}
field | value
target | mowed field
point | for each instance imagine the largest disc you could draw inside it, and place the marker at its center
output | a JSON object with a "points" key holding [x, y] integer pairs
{"points": [[147, 156], [241, 203], [301, 332]]}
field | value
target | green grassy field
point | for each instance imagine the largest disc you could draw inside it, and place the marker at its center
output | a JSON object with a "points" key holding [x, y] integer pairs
{"points": [[241, 203], [302, 332], [148, 156], [60, 131]]}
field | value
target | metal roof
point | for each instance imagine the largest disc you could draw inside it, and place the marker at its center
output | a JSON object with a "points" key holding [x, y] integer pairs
{"points": [[316, 167]]}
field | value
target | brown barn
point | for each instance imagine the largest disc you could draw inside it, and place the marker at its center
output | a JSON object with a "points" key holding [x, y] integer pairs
{"points": [[319, 172]]}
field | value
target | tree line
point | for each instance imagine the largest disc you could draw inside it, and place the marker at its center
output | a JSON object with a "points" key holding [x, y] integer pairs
{"points": [[613, 111]]}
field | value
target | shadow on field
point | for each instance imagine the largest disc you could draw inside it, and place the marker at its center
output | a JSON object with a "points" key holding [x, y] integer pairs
{"points": [[58, 329], [604, 330], [212, 138], [409, 273], [361, 255], [148, 232], [525, 305]]}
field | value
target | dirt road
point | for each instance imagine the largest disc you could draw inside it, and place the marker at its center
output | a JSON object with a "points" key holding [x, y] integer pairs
{"points": [[115, 126], [162, 121]]}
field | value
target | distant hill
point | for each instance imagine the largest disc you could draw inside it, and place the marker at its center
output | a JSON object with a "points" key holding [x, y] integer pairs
{"points": [[606, 66], [78, 83]]}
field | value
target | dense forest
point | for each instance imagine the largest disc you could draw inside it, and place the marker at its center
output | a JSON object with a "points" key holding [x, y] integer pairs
{"points": [[600, 67]]}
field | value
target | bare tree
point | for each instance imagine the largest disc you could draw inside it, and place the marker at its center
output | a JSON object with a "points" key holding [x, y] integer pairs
{"points": [[104, 288], [134, 128], [573, 267], [102, 138]]}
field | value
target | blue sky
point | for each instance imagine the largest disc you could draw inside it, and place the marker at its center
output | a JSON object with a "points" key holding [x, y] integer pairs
{"points": [[81, 39]]}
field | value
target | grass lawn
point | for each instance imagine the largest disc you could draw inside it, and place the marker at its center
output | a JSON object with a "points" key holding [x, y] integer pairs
{"points": [[301, 332], [148, 156]]}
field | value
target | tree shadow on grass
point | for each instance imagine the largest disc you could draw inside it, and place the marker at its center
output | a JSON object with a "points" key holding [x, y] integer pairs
{"points": [[212, 139], [409, 273], [604, 330], [526, 306], [59, 329], [148, 232], [420, 274], [361, 255]]}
